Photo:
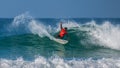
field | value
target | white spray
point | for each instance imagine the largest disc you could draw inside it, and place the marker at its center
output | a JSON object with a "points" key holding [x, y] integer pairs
{"points": [[107, 34]]}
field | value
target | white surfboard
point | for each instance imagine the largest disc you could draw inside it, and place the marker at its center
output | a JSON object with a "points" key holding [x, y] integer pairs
{"points": [[61, 41]]}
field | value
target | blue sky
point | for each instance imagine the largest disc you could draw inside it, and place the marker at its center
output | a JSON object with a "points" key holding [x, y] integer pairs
{"points": [[61, 8]]}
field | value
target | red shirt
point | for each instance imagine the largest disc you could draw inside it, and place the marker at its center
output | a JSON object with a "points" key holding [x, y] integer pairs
{"points": [[62, 32]]}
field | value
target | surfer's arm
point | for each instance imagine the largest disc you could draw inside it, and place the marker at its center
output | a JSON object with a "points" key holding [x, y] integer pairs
{"points": [[61, 25]]}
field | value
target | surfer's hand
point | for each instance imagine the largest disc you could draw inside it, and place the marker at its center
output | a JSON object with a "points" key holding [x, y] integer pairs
{"points": [[60, 23]]}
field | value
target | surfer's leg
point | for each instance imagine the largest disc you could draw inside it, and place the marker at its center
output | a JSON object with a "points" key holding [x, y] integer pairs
{"points": [[58, 36]]}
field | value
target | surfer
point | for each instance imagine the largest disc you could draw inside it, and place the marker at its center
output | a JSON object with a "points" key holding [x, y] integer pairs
{"points": [[63, 32]]}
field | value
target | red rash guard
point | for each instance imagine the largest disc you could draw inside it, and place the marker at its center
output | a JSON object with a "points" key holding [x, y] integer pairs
{"points": [[62, 32]]}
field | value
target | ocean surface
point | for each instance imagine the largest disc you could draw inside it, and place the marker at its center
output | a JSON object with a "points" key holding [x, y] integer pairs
{"points": [[25, 42]]}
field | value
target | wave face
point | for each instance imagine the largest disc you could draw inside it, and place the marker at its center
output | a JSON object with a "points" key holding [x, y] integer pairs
{"points": [[26, 42]]}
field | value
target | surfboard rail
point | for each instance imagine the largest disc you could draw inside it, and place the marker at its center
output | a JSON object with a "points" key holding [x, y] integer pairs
{"points": [[61, 41]]}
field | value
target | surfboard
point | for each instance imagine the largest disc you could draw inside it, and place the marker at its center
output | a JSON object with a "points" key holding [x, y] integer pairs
{"points": [[61, 41]]}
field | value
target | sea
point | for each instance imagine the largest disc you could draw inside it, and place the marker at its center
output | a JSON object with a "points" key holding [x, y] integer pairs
{"points": [[25, 42]]}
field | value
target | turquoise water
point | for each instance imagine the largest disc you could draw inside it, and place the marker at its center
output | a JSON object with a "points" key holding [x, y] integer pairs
{"points": [[26, 42]]}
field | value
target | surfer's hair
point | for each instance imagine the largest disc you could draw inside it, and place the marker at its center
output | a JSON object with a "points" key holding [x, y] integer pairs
{"points": [[65, 28]]}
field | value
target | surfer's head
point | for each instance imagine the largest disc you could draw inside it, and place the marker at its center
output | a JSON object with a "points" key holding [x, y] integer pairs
{"points": [[65, 28]]}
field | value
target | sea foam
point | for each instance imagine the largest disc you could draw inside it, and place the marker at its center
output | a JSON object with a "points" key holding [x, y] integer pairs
{"points": [[57, 62]]}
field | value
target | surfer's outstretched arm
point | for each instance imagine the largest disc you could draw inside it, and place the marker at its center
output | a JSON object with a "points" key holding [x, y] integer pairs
{"points": [[61, 25]]}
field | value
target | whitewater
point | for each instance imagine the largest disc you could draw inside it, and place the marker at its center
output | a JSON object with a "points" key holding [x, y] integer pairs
{"points": [[26, 42]]}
